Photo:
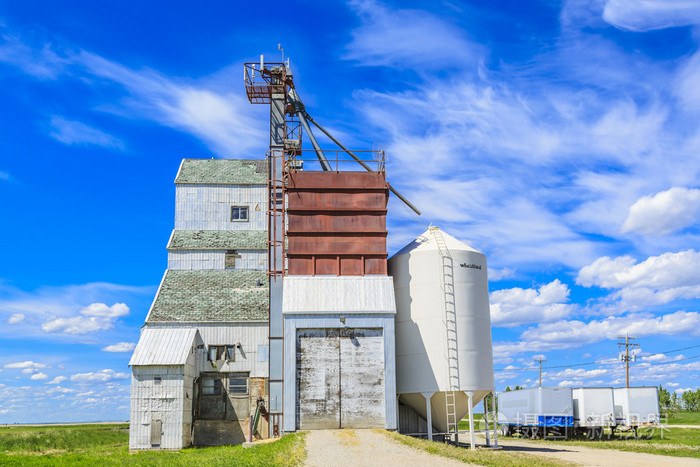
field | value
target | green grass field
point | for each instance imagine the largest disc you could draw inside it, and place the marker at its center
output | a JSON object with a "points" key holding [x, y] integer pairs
{"points": [[108, 445], [684, 418]]}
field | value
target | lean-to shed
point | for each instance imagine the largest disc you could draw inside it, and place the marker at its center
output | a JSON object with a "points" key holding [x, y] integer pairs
{"points": [[162, 388]]}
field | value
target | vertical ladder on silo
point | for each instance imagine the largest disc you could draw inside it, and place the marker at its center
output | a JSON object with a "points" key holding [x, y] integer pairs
{"points": [[451, 331]]}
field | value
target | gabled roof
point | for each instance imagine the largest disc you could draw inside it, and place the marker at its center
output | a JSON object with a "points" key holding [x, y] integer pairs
{"points": [[218, 240], [164, 346], [223, 172], [211, 296]]}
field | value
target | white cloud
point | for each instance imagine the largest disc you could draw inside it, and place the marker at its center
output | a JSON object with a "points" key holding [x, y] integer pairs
{"points": [[57, 380], [516, 306], [500, 274], [16, 318], [74, 132], [647, 15], [96, 317], [570, 334], [101, 376], [656, 280], [209, 111], [407, 38], [663, 213], [206, 109], [40, 62], [28, 371], [26, 364], [120, 347], [39, 376]]}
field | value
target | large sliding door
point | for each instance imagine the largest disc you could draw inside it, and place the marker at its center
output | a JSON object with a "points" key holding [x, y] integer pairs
{"points": [[340, 378]]}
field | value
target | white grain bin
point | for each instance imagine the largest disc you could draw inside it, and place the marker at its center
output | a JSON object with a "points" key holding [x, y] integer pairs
{"points": [[443, 325], [593, 407], [636, 406], [536, 407]]}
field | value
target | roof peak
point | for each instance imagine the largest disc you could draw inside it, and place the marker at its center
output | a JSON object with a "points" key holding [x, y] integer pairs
{"points": [[428, 241]]}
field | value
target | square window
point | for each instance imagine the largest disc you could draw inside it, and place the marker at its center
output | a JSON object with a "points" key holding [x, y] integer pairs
{"points": [[239, 213], [238, 385], [157, 380], [211, 387]]}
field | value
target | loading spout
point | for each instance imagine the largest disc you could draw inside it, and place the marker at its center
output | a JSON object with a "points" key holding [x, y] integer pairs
{"points": [[359, 161]]}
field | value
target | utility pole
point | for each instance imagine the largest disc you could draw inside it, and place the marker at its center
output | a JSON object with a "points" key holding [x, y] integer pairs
{"points": [[626, 357], [540, 360]]}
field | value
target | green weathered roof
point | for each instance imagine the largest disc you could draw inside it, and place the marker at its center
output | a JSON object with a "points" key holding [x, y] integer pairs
{"points": [[211, 296], [218, 240], [223, 171]]}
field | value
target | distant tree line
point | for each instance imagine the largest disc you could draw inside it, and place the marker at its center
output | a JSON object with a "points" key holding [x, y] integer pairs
{"points": [[673, 402]]}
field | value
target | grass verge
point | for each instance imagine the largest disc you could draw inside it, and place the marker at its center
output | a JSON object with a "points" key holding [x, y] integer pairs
{"points": [[108, 445], [479, 457], [678, 442]]}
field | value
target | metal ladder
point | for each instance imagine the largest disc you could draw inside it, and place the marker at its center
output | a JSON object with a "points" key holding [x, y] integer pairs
{"points": [[447, 270]]}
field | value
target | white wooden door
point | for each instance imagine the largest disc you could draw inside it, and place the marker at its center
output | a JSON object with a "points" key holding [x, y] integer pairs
{"points": [[362, 379], [340, 378], [318, 380]]}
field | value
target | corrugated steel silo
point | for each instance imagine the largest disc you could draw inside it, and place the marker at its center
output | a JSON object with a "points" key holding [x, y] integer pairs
{"points": [[443, 326]]}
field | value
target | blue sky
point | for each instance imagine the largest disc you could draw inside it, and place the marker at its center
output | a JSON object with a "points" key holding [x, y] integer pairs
{"points": [[559, 138]]}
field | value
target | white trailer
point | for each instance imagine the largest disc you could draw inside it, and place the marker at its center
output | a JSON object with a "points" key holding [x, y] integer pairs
{"points": [[594, 409], [536, 412], [636, 407]]}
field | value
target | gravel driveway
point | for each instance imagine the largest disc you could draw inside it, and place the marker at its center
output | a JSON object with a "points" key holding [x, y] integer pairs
{"points": [[365, 447]]}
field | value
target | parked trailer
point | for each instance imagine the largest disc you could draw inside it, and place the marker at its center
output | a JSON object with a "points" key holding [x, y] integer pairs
{"points": [[594, 410], [536, 412], [636, 407]]}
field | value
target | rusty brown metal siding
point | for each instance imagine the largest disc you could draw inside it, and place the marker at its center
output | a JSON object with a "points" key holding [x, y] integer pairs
{"points": [[337, 223]]}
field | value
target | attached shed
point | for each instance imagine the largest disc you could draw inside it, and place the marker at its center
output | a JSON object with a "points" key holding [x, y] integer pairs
{"points": [[163, 370]]}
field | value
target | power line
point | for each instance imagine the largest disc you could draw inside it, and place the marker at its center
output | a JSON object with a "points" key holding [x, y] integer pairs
{"points": [[533, 368]]}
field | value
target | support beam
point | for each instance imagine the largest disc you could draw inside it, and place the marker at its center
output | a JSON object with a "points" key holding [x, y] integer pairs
{"points": [[486, 419], [495, 420], [359, 161], [427, 396], [301, 113], [472, 442]]}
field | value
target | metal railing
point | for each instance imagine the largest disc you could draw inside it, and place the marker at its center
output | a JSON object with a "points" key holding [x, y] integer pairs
{"points": [[338, 159]]}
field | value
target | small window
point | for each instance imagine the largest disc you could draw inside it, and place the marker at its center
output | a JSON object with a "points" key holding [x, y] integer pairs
{"points": [[230, 260], [211, 387], [238, 385], [239, 213], [157, 380], [217, 352], [230, 352]]}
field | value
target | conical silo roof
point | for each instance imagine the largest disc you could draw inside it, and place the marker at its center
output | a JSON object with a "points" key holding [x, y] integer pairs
{"points": [[427, 242]]}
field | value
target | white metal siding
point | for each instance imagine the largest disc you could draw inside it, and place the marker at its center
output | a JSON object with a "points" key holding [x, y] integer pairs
{"points": [[593, 407], [207, 207], [342, 294], [196, 260], [151, 401]]}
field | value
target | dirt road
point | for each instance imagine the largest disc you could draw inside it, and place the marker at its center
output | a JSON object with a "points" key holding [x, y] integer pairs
{"points": [[595, 457], [365, 448]]}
